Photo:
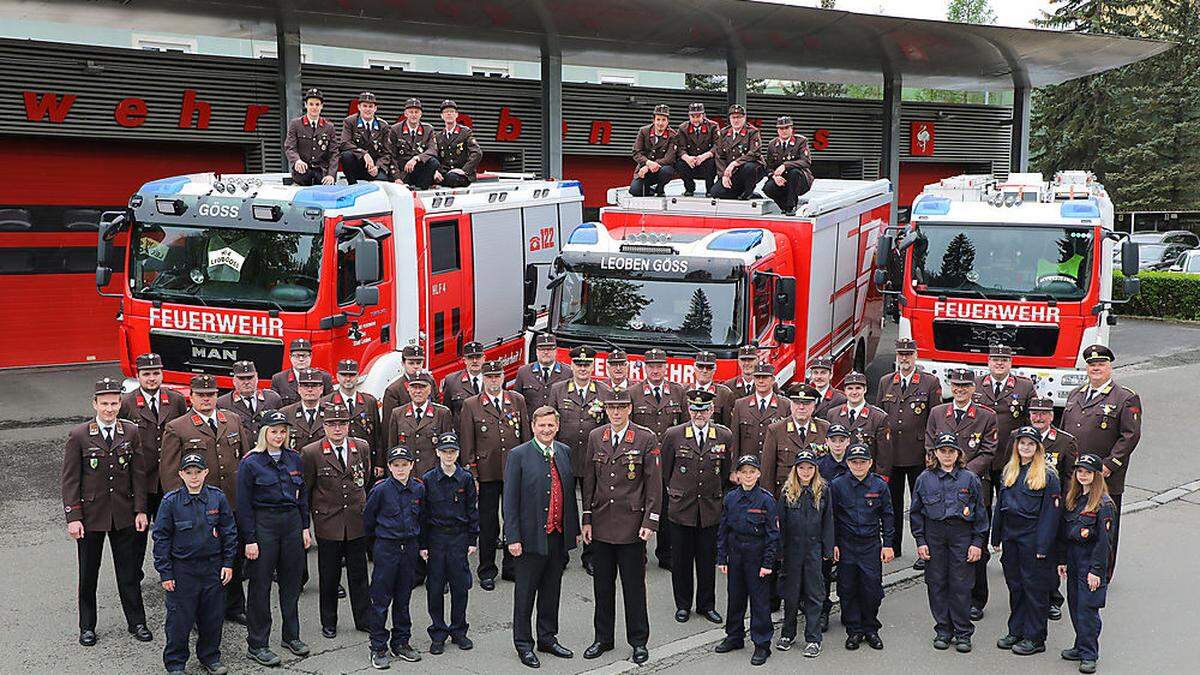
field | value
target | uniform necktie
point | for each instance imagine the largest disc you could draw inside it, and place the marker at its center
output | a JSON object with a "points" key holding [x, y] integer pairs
{"points": [[496, 401], [1091, 395], [657, 395], [475, 384], [420, 412], [310, 416], [903, 386], [154, 405], [616, 440], [958, 414], [250, 404], [108, 435], [341, 456], [546, 376], [996, 390], [212, 422], [853, 415], [762, 407]]}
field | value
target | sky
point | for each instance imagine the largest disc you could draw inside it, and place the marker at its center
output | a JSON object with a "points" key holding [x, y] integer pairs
{"points": [[1008, 12]]}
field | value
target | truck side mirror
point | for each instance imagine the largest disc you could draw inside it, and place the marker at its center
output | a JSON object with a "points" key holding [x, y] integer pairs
{"points": [[1132, 285], [785, 298], [883, 251], [1129, 258], [880, 277], [366, 296], [528, 317], [531, 281], [785, 333], [366, 262], [103, 276]]}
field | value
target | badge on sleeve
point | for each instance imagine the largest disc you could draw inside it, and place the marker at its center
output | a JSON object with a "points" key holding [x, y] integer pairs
{"points": [[1083, 533], [94, 462]]}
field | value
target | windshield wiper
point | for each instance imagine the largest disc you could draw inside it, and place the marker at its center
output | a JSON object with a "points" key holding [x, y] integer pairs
{"points": [[1040, 296], [165, 294], [263, 301], [946, 291]]}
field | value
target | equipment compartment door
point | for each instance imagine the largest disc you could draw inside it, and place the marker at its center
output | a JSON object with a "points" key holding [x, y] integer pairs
{"points": [[450, 318]]}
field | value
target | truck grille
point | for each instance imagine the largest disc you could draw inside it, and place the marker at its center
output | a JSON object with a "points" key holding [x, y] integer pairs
{"points": [[965, 336], [202, 353]]}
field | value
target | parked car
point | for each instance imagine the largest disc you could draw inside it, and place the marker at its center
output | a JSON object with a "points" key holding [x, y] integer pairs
{"points": [[1188, 262], [1189, 239], [1159, 256]]}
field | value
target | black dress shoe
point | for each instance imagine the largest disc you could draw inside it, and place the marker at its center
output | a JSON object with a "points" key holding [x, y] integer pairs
{"points": [[1055, 613], [436, 648], [488, 585], [589, 568], [141, 633], [640, 655], [852, 641], [558, 650], [1028, 648], [341, 592], [87, 638], [976, 613], [727, 646], [760, 656], [237, 617], [329, 632], [682, 615], [596, 650], [713, 616], [874, 641], [529, 659], [464, 643], [919, 564], [508, 575]]}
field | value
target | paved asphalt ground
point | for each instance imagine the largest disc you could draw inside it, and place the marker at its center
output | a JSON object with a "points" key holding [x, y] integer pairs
{"points": [[1149, 625]]}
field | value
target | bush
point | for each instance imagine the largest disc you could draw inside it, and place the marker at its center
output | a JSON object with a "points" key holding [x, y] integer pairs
{"points": [[1164, 295]]}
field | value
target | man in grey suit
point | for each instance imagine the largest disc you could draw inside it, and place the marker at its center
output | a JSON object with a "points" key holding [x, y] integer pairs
{"points": [[541, 525]]}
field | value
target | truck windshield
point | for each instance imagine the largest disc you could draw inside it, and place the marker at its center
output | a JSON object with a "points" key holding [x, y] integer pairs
{"points": [[223, 266], [649, 310], [1003, 261]]}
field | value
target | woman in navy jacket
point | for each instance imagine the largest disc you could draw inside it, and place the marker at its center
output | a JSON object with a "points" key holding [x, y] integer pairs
{"points": [[806, 540], [1083, 555]]}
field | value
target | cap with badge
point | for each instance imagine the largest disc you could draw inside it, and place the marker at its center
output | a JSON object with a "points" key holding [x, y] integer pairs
{"points": [[309, 377], [314, 93], [244, 368], [618, 357], [656, 355], [335, 412], [662, 109], [960, 376], [582, 355], [108, 385], [493, 368], [805, 393], [821, 363], [546, 340], [1027, 432], [300, 345], [707, 359], [699, 399], [858, 451], [783, 121], [449, 104], [149, 361], [619, 398], [413, 103], [413, 352], [906, 346], [273, 418], [764, 369], [747, 352], [1090, 461], [748, 460], [854, 378], [946, 441], [1098, 353], [1000, 351], [1043, 404], [837, 430], [203, 384], [400, 452], [737, 109], [447, 442], [422, 378], [805, 456], [347, 367], [366, 97], [695, 107], [193, 459], [472, 350]]}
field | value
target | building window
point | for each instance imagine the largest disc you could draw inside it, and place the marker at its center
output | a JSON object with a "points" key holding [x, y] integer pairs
{"points": [[158, 43], [386, 63], [271, 51], [629, 79], [489, 70]]}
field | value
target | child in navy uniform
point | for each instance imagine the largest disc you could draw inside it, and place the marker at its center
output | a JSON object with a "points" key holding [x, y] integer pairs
{"points": [[393, 516], [195, 542], [1083, 556], [449, 533], [831, 464], [806, 541], [747, 542], [862, 514]]}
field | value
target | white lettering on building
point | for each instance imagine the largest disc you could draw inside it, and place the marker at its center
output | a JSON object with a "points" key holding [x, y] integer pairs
{"points": [[996, 312], [206, 321]]}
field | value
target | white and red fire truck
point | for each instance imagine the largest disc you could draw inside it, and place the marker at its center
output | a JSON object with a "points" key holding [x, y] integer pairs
{"points": [[1022, 262], [690, 273], [223, 268]]}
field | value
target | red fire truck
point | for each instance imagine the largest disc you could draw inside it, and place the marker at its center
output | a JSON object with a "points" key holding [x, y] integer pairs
{"points": [[690, 273], [1023, 262], [223, 268]]}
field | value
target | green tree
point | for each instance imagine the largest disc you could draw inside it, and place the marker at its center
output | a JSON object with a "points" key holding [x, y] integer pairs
{"points": [[613, 302], [702, 82], [698, 320], [957, 262], [970, 11]]}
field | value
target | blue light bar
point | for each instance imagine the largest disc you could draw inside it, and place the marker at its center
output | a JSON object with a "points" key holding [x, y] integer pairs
{"points": [[569, 183], [585, 234], [736, 240], [1087, 208], [932, 206], [165, 186], [333, 196]]}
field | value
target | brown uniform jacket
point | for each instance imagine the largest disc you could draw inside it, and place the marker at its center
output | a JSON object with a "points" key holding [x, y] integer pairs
{"points": [[696, 471], [533, 383], [365, 422], [651, 146], [1061, 452], [737, 146], [908, 413], [284, 384], [870, 427], [486, 434], [976, 434], [792, 155], [337, 494], [367, 138], [318, 147], [300, 432], [103, 484], [723, 404], [744, 387], [1011, 408], [749, 426], [222, 451], [134, 408], [622, 486], [831, 401], [419, 434], [406, 145], [459, 150], [1109, 425], [579, 412], [699, 139], [456, 389], [627, 385], [658, 416], [264, 400], [396, 395], [785, 438]]}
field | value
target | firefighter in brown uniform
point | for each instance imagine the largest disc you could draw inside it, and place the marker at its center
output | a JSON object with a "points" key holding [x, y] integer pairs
{"points": [[364, 143], [696, 147], [743, 383], [696, 466], [1008, 396], [706, 369], [414, 148], [104, 495], [534, 379], [616, 368], [1106, 418], [654, 152], [460, 385], [417, 425], [150, 407], [907, 396], [868, 424], [1061, 452], [658, 405], [305, 417], [364, 408], [246, 399], [312, 145], [396, 394], [975, 427], [222, 440], [820, 375], [622, 498], [800, 430], [337, 468], [753, 414], [739, 158], [788, 166], [491, 424], [580, 405], [285, 382], [459, 153]]}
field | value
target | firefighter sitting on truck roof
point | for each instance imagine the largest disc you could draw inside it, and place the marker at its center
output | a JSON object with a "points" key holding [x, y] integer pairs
{"points": [[365, 154], [789, 167], [414, 148], [311, 146], [697, 141], [739, 157], [458, 151], [654, 152]]}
